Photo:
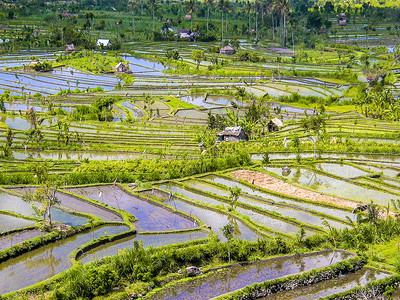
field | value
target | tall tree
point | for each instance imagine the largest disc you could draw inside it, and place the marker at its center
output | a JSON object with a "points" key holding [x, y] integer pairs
{"points": [[153, 6], [209, 4], [248, 10], [283, 8], [221, 7], [88, 19], [133, 5], [315, 124], [191, 7], [228, 231], [42, 201]]}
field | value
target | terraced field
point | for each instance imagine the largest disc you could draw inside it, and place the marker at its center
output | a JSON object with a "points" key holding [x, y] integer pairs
{"points": [[163, 117]]}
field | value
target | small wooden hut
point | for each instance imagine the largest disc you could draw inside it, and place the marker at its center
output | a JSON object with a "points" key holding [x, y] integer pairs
{"points": [[227, 50], [274, 125], [69, 48], [232, 134], [122, 68]]}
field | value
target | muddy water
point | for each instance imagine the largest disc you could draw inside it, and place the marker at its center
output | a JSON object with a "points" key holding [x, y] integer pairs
{"points": [[341, 170], [333, 286], [20, 154], [274, 224], [79, 205], [215, 220], [150, 217], [16, 204], [326, 210], [386, 172], [19, 237], [9, 223], [66, 218], [47, 261], [155, 240], [283, 211], [16, 122], [372, 157], [335, 187], [237, 276]]}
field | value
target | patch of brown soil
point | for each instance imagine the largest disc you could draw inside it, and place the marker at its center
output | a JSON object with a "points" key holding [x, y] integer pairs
{"points": [[277, 185]]}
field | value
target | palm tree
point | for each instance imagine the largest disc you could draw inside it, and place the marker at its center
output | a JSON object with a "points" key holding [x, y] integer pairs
{"points": [[209, 4], [227, 7], [283, 8], [268, 5], [133, 5], [257, 7], [153, 5], [88, 18], [248, 9], [221, 6], [191, 6]]}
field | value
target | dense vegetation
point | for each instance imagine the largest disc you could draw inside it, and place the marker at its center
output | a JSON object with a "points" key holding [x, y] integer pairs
{"points": [[327, 70]]}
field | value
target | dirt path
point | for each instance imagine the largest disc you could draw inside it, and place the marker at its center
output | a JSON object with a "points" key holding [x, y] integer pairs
{"points": [[277, 185]]}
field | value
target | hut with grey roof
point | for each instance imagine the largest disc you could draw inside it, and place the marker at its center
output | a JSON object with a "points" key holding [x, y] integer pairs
{"points": [[232, 134]]}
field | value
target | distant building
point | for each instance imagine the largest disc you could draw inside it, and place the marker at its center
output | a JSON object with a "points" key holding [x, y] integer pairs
{"points": [[66, 16], [187, 34], [69, 48], [184, 34], [227, 50], [33, 63], [232, 134], [122, 68], [103, 43], [274, 125]]}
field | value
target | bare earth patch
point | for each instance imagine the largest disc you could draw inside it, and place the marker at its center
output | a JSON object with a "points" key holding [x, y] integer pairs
{"points": [[281, 50], [277, 185]]}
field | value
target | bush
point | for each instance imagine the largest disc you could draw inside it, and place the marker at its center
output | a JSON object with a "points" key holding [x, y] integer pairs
{"points": [[43, 66]]}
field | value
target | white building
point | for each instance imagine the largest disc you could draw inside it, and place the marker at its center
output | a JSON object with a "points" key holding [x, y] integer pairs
{"points": [[103, 43]]}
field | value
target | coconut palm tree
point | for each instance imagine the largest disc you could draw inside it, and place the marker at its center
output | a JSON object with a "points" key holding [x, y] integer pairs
{"points": [[221, 6], [283, 8], [191, 6], [248, 10], [133, 6], [153, 6], [209, 4]]}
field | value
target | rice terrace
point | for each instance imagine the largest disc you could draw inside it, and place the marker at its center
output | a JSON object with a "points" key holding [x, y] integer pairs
{"points": [[200, 149]]}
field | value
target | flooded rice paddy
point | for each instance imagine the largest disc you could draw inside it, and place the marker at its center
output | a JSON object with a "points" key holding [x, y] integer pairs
{"points": [[12, 239], [80, 205], [47, 261], [8, 223], [260, 218], [333, 186], [329, 287], [229, 279], [153, 240], [151, 217]]}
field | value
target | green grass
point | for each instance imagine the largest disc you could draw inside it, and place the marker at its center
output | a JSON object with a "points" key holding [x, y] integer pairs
{"points": [[176, 103], [388, 252], [92, 62]]}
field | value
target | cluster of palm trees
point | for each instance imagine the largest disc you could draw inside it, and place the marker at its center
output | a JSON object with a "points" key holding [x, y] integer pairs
{"points": [[257, 12], [261, 14], [378, 104]]}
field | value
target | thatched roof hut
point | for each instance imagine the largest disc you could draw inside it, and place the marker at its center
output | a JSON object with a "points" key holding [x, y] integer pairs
{"points": [[233, 134], [274, 125], [227, 50], [121, 67]]}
